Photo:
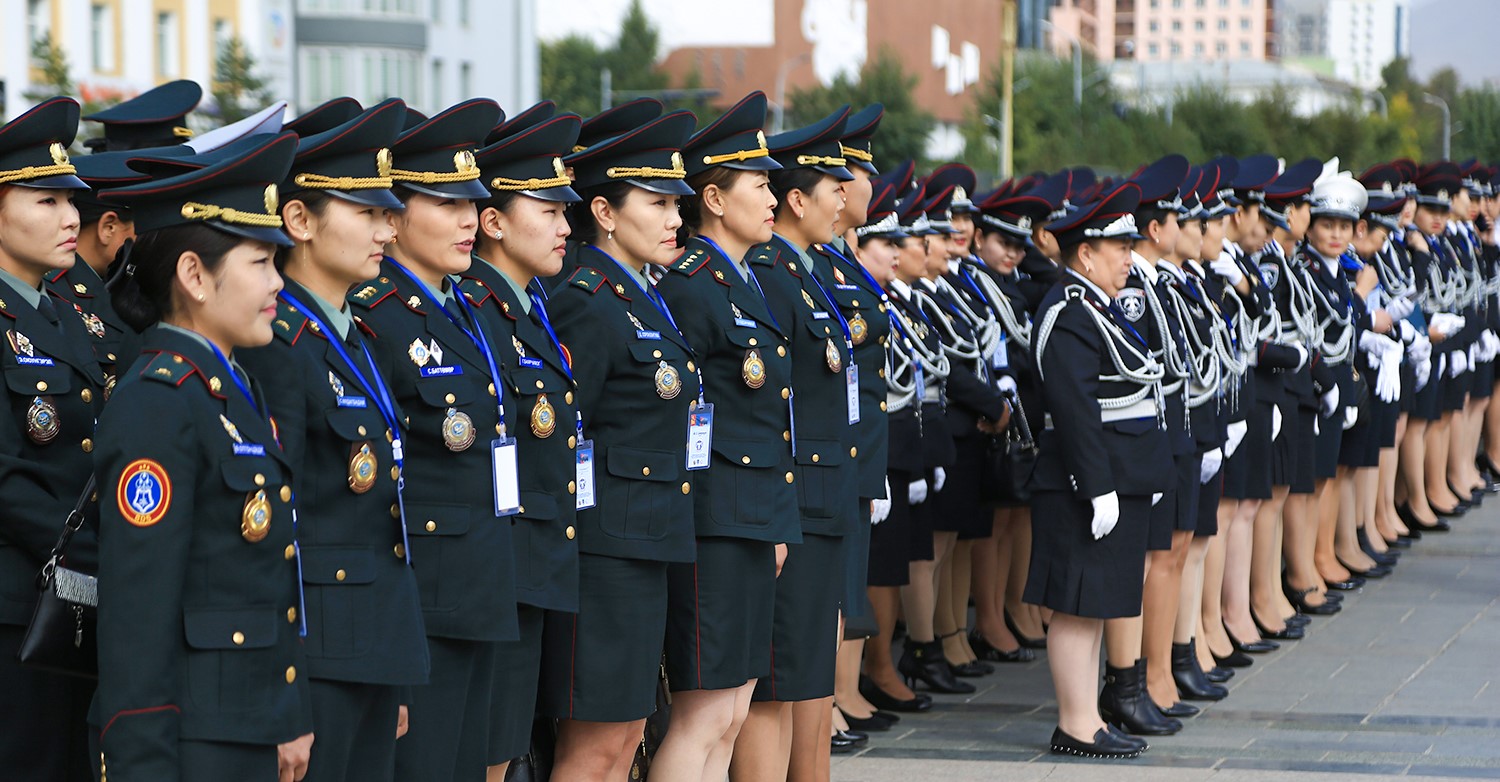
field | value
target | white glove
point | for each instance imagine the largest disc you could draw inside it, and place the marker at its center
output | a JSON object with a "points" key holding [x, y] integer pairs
{"points": [[1330, 402], [1225, 267], [1212, 461], [1489, 345], [1448, 324], [1351, 417], [1458, 363], [1424, 372], [1302, 356], [916, 491], [1420, 349], [1377, 346], [1399, 308], [1474, 356], [1316, 430], [880, 508], [1155, 498], [1236, 434], [1007, 384], [1106, 514], [939, 477], [1388, 378], [1275, 422]]}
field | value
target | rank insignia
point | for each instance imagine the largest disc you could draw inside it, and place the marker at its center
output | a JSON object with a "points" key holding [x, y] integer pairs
{"points": [[620, 289], [718, 275], [144, 493], [414, 302], [234, 431], [838, 275], [809, 300], [20, 344], [419, 353], [336, 384], [80, 288]]}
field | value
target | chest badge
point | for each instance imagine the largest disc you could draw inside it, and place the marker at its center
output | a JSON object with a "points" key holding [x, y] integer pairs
{"points": [[42, 424], [458, 430], [668, 381], [834, 358], [362, 468], [754, 369], [231, 429], [336, 384], [255, 520], [144, 493], [94, 324], [543, 418], [859, 330], [418, 353]]}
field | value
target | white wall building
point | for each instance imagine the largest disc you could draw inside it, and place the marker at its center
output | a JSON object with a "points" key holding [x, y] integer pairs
{"points": [[433, 53], [1366, 35]]}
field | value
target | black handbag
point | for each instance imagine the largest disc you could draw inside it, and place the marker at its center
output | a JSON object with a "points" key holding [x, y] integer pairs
{"points": [[536, 764], [1010, 459], [62, 635]]}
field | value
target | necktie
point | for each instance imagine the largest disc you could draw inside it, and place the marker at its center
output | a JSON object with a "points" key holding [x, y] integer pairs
{"points": [[49, 311]]}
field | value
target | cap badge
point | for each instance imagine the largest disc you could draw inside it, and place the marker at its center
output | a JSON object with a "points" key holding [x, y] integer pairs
{"points": [[383, 162]]}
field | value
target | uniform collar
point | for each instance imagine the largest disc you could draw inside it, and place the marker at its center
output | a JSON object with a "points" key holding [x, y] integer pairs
{"points": [[1089, 284], [901, 288], [30, 295], [523, 297], [340, 320], [807, 260]]}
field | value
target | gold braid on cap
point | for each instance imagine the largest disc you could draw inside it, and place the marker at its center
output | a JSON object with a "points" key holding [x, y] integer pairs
{"points": [[741, 155], [320, 182], [271, 219], [857, 154], [561, 180], [181, 132], [467, 170], [677, 171], [820, 160], [60, 166]]}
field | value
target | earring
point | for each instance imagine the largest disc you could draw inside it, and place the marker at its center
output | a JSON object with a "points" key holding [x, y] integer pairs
{"points": [[499, 235], [611, 236], [202, 298], [307, 237]]}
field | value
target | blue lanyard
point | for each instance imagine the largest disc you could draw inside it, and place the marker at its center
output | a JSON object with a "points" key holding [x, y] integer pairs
{"points": [[750, 278], [832, 307], [476, 335], [541, 311], [862, 270], [659, 303], [235, 376]]}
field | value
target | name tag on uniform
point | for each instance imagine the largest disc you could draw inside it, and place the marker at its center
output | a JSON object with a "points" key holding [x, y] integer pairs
{"points": [[442, 371], [851, 392], [354, 401], [35, 361], [531, 362], [744, 322], [583, 478], [249, 449], [846, 287], [506, 480], [700, 436], [641, 334], [820, 316]]}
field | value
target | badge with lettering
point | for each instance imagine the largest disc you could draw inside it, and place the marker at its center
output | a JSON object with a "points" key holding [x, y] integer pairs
{"points": [[255, 520], [144, 493], [754, 369], [42, 425], [1132, 302], [419, 353], [458, 430], [668, 381], [362, 468], [543, 418], [858, 329], [834, 358]]}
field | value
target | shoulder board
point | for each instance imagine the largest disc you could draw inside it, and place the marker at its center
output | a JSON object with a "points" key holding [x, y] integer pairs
{"points": [[168, 368], [763, 255], [289, 323], [791, 261], [691, 263], [59, 274], [586, 278], [5, 310], [372, 292]]}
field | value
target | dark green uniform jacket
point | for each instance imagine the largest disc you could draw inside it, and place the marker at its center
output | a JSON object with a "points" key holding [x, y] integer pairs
{"points": [[115, 344]]}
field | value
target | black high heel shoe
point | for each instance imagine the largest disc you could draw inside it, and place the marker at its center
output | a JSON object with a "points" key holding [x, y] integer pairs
{"points": [[1379, 571], [1192, 684], [1415, 527], [874, 722], [1473, 497], [1235, 658], [1353, 582], [924, 662], [1287, 633], [1401, 543], [988, 651], [1026, 642], [1298, 598], [886, 702], [1254, 647], [1388, 557]]}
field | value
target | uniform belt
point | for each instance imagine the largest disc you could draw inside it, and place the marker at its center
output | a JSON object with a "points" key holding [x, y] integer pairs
{"points": [[1146, 408]]}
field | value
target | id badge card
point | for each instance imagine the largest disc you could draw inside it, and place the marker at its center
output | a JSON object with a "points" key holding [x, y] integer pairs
{"points": [[583, 468], [851, 392], [700, 436], [1001, 359], [507, 482]]}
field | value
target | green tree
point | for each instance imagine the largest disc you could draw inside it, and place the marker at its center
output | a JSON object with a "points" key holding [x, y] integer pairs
{"points": [[632, 60], [237, 89], [52, 61], [571, 68], [1478, 109], [905, 127], [570, 73]]}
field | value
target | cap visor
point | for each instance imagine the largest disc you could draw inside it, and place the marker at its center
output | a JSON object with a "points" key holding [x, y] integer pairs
{"points": [[1276, 221], [473, 190], [663, 186], [378, 197], [870, 167], [767, 163], [60, 182], [268, 235], [837, 172], [562, 194]]}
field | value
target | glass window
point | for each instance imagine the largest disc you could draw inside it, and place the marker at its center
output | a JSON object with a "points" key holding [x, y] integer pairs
{"points": [[1198, 49], [437, 83], [1221, 48], [38, 19], [1223, 24], [437, 10], [1155, 26], [1176, 49], [1155, 49], [167, 54], [465, 81], [1198, 25], [102, 37], [463, 12], [1245, 23], [1245, 48], [1176, 25]]}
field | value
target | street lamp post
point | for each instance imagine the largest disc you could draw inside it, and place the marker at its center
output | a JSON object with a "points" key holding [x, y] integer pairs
{"points": [[1380, 98], [1077, 47], [1447, 122], [778, 122]]}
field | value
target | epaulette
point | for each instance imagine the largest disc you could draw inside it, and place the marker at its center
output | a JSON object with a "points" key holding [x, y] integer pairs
{"points": [[168, 368], [479, 293], [691, 262], [59, 274], [5, 310], [372, 292], [289, 323], [763, 255], [586, 278]]}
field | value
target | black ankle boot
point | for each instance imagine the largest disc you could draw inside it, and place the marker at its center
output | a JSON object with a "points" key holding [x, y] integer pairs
{"points": [[924, 662], [1191, 683], [1124, 702]]}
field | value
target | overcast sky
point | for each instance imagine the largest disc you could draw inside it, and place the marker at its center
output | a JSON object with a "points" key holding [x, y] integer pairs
{"points": [[1458, 33]]}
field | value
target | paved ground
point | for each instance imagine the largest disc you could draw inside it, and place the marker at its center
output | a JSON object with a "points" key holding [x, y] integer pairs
{"points": [[1404, 682]]}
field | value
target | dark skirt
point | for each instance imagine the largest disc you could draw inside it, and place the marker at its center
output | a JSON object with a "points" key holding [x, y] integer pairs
{"points": [[921, 548], [1186, 491], [1426, 402], [356, 734], [1075, 574], [1484, 380], [890, 540], [603, 663], [1208, 506], [1161, 522], [1246, 476], [513, 692], [859, 616], [1455, 390], [1330, 436], [958, 507], [1293, 454], [804, 630], [1408, 401], [1376, 430], [719, 614]]}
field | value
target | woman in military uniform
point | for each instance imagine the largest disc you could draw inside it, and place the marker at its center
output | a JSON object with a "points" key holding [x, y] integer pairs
{"points": [[334, 404], [720, 606], [456, 491], [201, 616], [1097, 472], [522, 232], [54, 391], [645, 417]]}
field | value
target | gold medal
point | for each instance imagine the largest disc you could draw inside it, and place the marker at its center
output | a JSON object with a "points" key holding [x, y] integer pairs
{"points": [[94, 324], [42, 425], [543, 418], [668, 381], [754, 369], [255, 522], [834, 358], [858, 329], [362, 468], [458, 430]]}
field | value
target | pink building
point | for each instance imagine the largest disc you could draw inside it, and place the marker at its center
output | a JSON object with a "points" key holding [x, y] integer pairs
{"points": [[1164, 30]]}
